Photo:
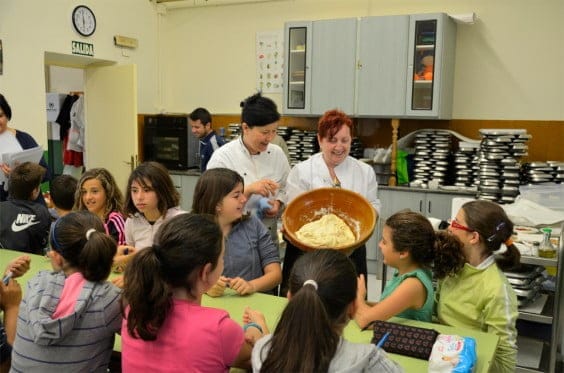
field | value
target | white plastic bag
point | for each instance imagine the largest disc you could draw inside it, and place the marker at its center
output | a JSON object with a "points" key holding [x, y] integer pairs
{"points": [[453, 354]]}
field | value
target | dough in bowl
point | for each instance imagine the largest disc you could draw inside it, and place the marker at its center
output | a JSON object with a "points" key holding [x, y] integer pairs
{"points": [[329, 231]]}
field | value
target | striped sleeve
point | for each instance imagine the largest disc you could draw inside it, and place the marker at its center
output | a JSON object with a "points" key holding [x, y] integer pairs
{"points": [[115, 227]]}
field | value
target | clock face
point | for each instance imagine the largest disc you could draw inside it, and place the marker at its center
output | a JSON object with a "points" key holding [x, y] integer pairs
{"points": [[83, 20]]}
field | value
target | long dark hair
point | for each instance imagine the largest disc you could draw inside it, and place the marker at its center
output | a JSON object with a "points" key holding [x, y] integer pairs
{"points": [[212, 187], [159, 178], [91, 252], [182, 246], [307, 335], [5, 106], [494, 227], [441, 251], [114, 197]]}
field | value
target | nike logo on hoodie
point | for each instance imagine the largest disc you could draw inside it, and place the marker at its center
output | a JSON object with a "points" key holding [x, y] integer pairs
{"points": [[24, 221]]}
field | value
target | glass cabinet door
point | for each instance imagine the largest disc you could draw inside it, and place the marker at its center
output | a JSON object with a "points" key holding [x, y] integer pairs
{"points": [[296, 69], [424, 64], [430, 72]]}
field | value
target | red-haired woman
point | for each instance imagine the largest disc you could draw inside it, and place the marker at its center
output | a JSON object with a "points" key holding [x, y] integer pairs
{"points": [[331, 167]]}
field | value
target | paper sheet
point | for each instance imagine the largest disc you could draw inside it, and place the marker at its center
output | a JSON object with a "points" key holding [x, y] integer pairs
{"points": [[13, 159]]}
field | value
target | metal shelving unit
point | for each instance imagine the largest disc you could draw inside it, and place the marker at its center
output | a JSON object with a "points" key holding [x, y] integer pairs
{"points": [[551, 359]]}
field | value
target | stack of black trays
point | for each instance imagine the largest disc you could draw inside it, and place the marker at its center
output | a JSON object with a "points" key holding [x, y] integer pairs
{"points": [[527, 282], [432, 153], [499, 167]]}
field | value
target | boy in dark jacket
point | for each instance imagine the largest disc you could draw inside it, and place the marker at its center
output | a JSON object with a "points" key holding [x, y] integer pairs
{"points": [[24, 223]]}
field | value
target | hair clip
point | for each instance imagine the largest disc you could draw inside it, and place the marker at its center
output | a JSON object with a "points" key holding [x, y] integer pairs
{"points": [[497, 229]]}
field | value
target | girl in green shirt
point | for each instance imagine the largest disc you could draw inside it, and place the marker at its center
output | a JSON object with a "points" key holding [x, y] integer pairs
{"points": [[411, 246]]}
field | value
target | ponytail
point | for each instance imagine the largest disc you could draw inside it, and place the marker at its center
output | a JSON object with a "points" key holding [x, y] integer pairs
{"points": [[322, 285], [448, 256], [145, 292], [509, 259], [96, 258], [494, 227], [304, 330], [81, 240], [182, 246]]}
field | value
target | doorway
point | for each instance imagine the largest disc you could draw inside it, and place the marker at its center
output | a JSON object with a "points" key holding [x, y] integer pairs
{"points": [[60, 82], [110, 111]]}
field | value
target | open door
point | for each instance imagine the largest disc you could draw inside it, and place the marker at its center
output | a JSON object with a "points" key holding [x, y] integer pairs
{"points": [[111, 117]]}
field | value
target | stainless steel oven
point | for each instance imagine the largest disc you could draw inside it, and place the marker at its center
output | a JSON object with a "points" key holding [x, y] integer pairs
{"points": [[167, 139]]}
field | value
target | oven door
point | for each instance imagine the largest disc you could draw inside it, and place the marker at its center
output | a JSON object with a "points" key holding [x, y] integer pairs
{"points": [[166, 143]]}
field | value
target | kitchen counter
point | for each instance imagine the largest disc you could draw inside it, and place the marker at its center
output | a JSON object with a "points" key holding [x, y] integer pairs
{"points": [[185, 172], [450, 190]]}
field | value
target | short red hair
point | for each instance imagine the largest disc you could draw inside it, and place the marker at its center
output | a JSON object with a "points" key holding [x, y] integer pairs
{"points": [[331, 122]]}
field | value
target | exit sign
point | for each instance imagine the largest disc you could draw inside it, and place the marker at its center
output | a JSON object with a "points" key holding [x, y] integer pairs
{"points": [[84, 49]]}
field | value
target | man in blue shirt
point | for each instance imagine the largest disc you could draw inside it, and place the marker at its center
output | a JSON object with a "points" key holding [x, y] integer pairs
{"points": [[200, 123]]}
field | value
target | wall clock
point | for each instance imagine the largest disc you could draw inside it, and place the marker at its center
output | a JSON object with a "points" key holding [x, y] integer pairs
{"points": [[84, 20]]}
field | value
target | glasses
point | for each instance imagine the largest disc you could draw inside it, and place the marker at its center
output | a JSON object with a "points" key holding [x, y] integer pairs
{"points": [[456, 225]]}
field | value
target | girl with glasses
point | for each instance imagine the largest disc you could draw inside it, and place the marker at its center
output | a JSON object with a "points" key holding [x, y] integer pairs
{"points": [[479, 296]]}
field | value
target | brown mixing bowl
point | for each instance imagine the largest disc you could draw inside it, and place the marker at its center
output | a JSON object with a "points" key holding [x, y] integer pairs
{"points": [[350, 206]]}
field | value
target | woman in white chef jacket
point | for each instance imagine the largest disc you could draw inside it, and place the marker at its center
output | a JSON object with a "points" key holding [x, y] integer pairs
{"points": [[331, 167], [263, 165]]}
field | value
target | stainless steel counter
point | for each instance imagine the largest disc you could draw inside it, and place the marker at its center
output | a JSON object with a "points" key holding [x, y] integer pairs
{"points": [[426, 190], [185, 172]]}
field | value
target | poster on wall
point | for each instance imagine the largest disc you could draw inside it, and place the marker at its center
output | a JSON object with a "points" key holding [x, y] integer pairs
{"points": [[270, 61], [1, 59]]}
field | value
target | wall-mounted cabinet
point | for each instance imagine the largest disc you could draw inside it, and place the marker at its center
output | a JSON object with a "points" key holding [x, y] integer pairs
{"points": [[384, 66], [430, 72], [297, 86], [333, 65]]}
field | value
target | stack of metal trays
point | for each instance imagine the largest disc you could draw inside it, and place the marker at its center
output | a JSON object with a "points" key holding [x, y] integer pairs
{"points": [[285, 132], [558, 170], [498, 159], [301, 145], [432, 150], [310, 145], [526, 281], [466, 165], [357, 149], [294, 146], [542, 172], [234, 131]]}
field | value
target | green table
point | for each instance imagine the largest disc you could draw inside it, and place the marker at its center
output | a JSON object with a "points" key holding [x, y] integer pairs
{"points": [[272, 307]]}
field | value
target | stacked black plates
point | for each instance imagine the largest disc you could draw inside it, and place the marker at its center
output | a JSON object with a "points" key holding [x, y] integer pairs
{"points": [[526, 282], [558, 168], [285, 132], [466, 165], [234, 129], [301, 145], [498, 159], [542, 172], [432, 150], [357, 150]]}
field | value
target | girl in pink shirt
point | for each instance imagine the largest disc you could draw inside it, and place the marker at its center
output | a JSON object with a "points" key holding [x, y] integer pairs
{"points": [[166, 328]]}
